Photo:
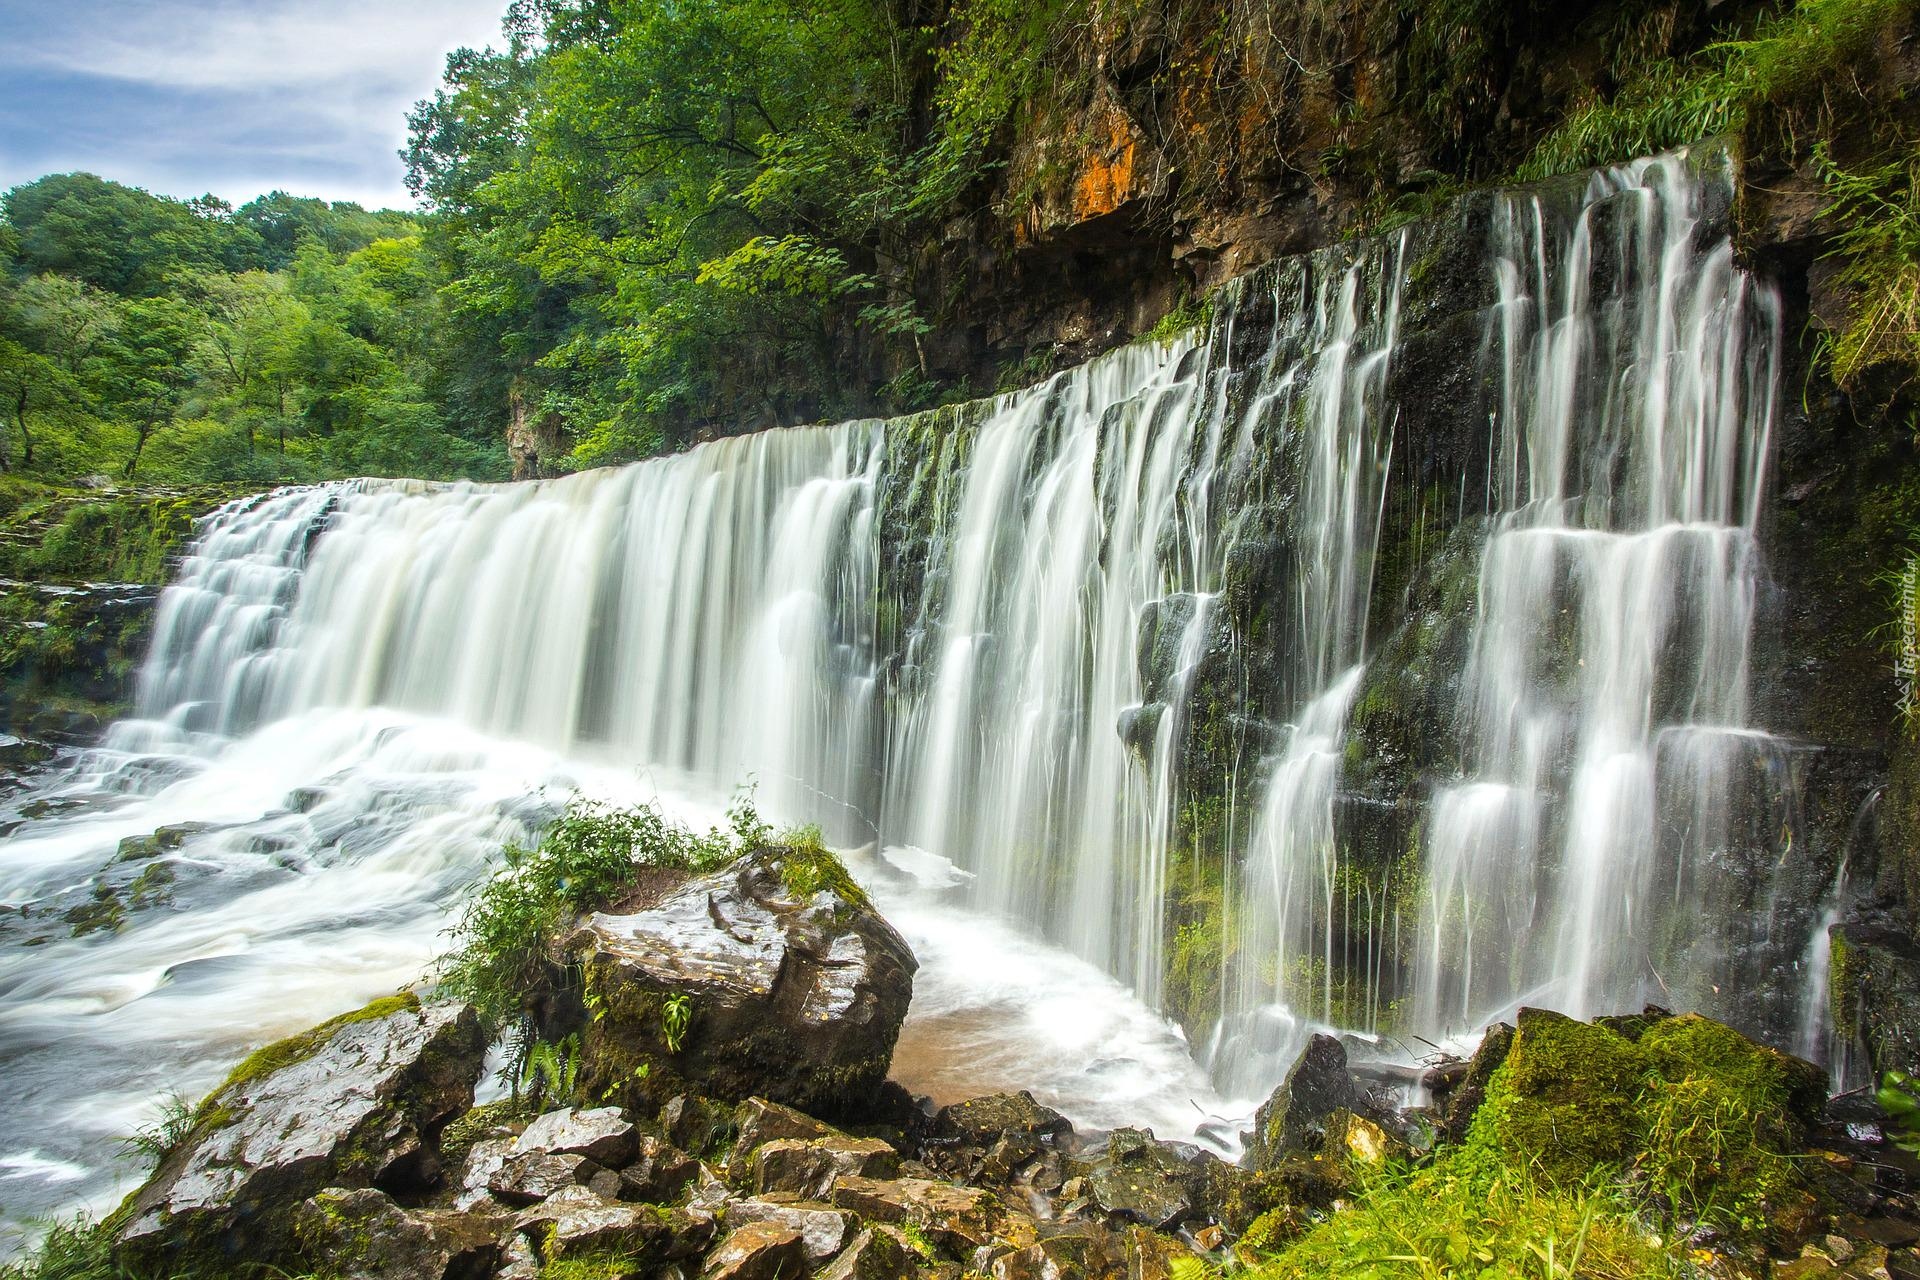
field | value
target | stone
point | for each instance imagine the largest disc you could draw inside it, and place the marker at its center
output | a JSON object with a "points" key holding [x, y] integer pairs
{"points": [[363, 1235], [517, 1261], [602, 1135], [574, 1220], [758, 1251], [531, 1178], [1144, 1181], [483, 1162], [794, 987], [823, 1229], [1081, 1253], [958, 1219], [981, 1121], [758, 1122], [808, 1168], [1293, 1118], [355, 1102], [1470, 1090], [693, 1123], [658, 1173], [872, 1255], [1362, 1140]]}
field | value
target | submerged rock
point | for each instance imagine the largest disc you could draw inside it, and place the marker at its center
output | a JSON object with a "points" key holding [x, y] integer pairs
{"points": [[773, 977], [354, 1103]]}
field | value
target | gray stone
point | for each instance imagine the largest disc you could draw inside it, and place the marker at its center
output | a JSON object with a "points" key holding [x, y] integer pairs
{"points": [[759, 1122], [659, 1172], [824, 1229], [602, 1135], [353, 1103], [872, 1255], [1146, 1181], [363, 1235], [795, 999], [484, 1160], [1294, 1118], [758, 1251], [982, 1121], [808, 1168], [575, 1220], [531, 1178]]}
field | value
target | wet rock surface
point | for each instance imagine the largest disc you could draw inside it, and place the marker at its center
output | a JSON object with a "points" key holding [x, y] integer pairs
{"points": [[792, 986], [355, 1103]]}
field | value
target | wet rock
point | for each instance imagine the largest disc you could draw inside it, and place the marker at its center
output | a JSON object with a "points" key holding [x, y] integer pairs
{"points": [[872, 1255], [1083, 1252], [759, 1122], [957, 1219], [1361, 1140], [658, 1173], [981, 1121], [602, 1135], [353, 1103], [1294, 1118], [1145, 1181], [808, 1168], [694, 1123], [517, 1261], [533, 1176], [484, 1160], [363, 1235], [758, 1251], [792, 985], [575, 1220], [823, 1229]]}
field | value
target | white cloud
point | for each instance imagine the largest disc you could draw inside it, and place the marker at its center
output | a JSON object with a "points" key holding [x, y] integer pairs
{"points": [[370, 44], [231, 96]]}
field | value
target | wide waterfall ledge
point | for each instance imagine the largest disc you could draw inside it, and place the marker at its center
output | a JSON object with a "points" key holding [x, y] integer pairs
{"points": [[1377, 659]]}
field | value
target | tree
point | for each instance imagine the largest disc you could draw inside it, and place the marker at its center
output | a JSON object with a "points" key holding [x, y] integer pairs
{"points": [[143, 367]]}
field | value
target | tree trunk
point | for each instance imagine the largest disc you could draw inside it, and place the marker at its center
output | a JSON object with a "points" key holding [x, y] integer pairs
{"points": [[141, 432], [20, 417]]}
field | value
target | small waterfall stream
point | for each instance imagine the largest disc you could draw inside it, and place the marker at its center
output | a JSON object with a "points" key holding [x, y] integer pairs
{"points": [[1043, 665]]}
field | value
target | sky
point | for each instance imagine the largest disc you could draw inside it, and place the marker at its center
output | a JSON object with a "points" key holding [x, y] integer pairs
{"points": [[233, 97]]}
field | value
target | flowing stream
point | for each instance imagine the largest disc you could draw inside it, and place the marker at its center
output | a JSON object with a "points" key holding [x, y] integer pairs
{"points": [[985, 650]]}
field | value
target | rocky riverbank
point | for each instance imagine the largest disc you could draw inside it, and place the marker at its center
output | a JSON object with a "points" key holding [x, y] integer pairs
{"points": [[1647, 1145]]}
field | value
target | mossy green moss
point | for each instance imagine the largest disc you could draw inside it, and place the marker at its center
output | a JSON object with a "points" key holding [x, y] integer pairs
{"points": [[1691, 1111], [807, 867]]}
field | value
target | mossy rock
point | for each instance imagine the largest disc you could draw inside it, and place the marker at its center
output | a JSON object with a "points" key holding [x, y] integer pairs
{"points": [[1697, 1118], [1565, 1100]]}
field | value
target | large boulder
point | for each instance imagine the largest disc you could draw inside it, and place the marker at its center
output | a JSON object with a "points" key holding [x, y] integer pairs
{"points": [[354, 1103], [773, 977]]}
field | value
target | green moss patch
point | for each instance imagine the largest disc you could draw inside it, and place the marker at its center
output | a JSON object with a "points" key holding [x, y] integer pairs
{"points": [[1690, 1113]]}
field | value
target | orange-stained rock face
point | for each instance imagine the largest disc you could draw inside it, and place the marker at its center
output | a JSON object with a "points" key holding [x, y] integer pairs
{"points": [[1106, 179]]}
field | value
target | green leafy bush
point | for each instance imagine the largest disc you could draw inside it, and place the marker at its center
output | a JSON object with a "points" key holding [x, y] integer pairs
{"points": [[504, 951]]}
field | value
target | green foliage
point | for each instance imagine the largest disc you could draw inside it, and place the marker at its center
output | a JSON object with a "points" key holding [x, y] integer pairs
{"points": [[1801, 52], [156, 1140], [1876, 213], [290, 340], [1467, 1215], [808, 867], [74, 1248], [548, 1071], [504, 943], [1899, 1097], [676, 1015], [1690, 1111]]}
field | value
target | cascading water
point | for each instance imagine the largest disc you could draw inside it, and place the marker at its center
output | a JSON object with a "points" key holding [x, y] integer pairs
{"points": [[1019, 659], [1605, 696]]}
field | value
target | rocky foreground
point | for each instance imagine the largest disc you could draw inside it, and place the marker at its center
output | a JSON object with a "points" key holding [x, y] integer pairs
{"points": [[355, 1150]]}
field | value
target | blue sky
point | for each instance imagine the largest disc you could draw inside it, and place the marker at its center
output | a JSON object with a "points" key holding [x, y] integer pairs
{"points": [[236, 97]]}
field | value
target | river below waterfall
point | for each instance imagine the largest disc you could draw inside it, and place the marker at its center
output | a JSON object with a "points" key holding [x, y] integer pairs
{"points": [[1376, 657]]}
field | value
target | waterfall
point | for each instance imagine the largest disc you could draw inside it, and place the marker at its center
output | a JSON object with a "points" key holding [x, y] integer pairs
{"points": [[1605, 697], [1092, 674]]}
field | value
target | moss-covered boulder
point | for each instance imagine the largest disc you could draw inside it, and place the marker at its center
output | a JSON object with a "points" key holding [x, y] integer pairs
{"points": [[773, 977], [1687, 1111], [356, 1102]]}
